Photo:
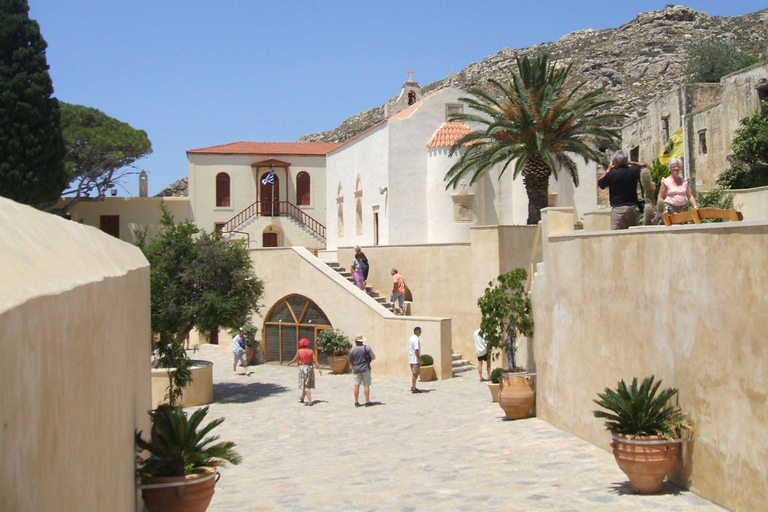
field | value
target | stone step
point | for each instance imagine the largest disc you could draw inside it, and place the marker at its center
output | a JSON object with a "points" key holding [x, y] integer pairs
{"points": [[456, 357], [463, 369], [461, 362]]}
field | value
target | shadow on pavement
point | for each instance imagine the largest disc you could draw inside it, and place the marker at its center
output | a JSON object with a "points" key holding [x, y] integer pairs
{"points": [[667, 488], [236, 393]]}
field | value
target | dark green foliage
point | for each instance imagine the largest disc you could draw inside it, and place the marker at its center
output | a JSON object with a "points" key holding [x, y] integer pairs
{"points": [[504, 307], [100, 150], [196, 280], [658, 172], [333, 342], [31, 147], [535, 119], [749, 153], [634, 411], [427, 360], [709, 61], [177, 447], [496, 375], [250, 331]]}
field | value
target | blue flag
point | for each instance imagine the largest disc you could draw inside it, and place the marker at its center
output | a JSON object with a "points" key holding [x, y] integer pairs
{"points": [[269, 179]]}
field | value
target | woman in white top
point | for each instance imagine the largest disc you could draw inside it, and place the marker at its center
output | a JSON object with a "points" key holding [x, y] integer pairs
{"points": [[676, 191]]}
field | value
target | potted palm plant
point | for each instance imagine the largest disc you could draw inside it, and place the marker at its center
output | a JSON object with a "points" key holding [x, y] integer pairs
{"points": [[506, 311], [427, 371], [179, 472], [336, 345], [645, 430]]}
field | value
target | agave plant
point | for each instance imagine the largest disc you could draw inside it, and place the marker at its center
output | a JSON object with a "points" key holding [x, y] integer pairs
{"points": [[178, 448], [640, 411]]}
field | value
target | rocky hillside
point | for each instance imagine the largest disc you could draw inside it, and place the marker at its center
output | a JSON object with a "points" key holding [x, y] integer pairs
{"points": [[634, 62]]}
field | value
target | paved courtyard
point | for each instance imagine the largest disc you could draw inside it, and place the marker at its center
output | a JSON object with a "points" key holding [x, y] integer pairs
{"points": [[447, 449]]}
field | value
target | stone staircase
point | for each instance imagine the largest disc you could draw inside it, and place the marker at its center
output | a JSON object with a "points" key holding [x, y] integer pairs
{"points": [[371, 293], [461, 365]]}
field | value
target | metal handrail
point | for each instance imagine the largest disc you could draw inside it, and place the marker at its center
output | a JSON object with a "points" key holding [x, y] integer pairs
{"points": [[277, 208]]}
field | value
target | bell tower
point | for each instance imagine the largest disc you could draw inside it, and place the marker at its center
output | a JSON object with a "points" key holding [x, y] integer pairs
{"points": [[410, 94]]}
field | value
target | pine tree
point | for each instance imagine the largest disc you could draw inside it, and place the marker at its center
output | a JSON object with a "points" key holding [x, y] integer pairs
{"points": [[31, 146]]}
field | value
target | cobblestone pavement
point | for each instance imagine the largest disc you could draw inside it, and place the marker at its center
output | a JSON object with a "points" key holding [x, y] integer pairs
{"points": [[447, 449]]}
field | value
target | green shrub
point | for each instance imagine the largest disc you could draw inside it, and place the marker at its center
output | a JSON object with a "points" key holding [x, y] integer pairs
{"points": [[426, 360], [496, 375], [709, 61], [250, 331], [634, 411], [333, 342]]}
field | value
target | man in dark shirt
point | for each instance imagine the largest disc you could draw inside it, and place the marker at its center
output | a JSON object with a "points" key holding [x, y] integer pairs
{"points": [[621, 178], [360, 357]]}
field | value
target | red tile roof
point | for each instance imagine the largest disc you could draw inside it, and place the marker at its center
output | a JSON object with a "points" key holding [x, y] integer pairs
{"points": [[448, 135], [269, 148]]}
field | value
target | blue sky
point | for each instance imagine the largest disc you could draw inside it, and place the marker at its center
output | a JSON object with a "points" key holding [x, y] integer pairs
{"points": [[196, 73]]}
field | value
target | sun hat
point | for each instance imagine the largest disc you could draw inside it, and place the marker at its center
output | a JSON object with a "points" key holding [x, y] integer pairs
{"points": [[360, 338], [303, 342]]}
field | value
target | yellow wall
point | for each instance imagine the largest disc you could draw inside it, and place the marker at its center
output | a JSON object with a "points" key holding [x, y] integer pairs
{"points": [[74, 331], [686, 304]]}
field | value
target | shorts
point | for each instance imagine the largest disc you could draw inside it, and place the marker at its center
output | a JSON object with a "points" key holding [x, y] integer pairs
{"points": [[240, 356], [483, 357], [622, 217], [415, 368], [399, 297], [363, 378]]}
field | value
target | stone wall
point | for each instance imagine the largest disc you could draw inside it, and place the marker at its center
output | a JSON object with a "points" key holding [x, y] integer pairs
{"points": [[75, 374], [682, 303]]}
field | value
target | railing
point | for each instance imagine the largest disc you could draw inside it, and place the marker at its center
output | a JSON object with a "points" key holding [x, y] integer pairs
{"points": [[276, 209]]}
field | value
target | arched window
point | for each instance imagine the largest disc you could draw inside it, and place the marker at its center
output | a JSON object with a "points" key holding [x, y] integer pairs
{"points": [[303, 194], [290, 319], [359, 217], [222, 189]]}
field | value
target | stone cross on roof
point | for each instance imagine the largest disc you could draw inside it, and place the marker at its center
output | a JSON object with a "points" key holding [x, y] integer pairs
{"points": [[410, 74]]}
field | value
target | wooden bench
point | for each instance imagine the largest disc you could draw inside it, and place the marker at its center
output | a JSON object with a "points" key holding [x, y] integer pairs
{"points": [[696, 215]]}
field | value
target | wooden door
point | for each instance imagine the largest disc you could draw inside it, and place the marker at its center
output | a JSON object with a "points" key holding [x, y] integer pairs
{"points": [[270, 197], [269, 240], [110, 224]]}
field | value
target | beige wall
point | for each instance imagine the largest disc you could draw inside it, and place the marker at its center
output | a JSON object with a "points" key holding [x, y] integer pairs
{"points": [[75, 331], [686, 304], [752, 203], [134, 212], [447, 279], [350, 310]]}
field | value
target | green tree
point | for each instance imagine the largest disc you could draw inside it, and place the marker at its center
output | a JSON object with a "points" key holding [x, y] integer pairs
{"points": [[749, 153], [100, 150], [196, 280], [31, 148], [503, 308], [709, 61], [537, 119]]}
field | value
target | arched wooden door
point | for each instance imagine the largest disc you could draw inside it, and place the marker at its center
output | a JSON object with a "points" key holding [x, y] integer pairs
{"points": [[270, 196], [292, 318]]}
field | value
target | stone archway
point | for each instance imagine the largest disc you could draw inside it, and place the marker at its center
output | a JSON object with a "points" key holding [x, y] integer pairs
{"points": [[291, 318]]}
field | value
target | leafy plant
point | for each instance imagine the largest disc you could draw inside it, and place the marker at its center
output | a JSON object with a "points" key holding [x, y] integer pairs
{"points": [[177, 447], [537, 119], [709, 61], [427, 360], [250, 331], [749, 153], [496, 375], [333, 342], [634, 411], [718, 197], [505, 308]]}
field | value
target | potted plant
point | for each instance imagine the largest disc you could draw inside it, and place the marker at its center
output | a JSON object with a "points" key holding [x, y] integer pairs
{"points": [[427, 371], [179, 474], [493, 386], [251, 341], [336, 345], [645, 429], [506, 312]]}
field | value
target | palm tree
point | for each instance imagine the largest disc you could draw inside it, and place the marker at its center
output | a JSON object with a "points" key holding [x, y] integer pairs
{"points": [[537, 121]]}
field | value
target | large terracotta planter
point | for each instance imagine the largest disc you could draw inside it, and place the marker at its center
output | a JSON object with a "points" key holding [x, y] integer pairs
{"points": [[338, 364], [645, 460], [494, 389], [191, 493], [516, 395], [427, 373]]}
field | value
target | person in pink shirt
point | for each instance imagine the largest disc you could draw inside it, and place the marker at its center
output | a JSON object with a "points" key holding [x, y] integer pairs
{"points": [[676, 191], [398, 292], [306, 359]]}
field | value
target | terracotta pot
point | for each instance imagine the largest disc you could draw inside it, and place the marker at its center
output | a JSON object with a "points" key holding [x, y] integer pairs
{"points": [[427, 373], [338, 364], [645, 465], [494, 388], [250, 352], [190, 493], [516, 395]]}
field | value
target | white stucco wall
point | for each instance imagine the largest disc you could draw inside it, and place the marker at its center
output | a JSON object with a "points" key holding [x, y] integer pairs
{"points": [[75, 373]]}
